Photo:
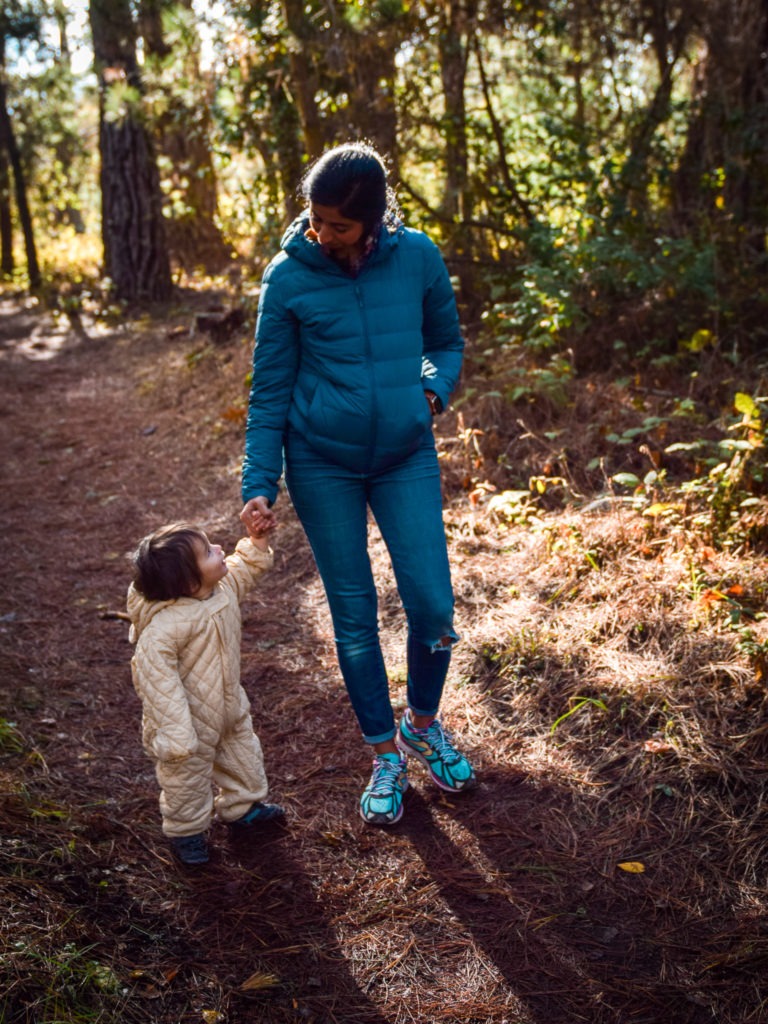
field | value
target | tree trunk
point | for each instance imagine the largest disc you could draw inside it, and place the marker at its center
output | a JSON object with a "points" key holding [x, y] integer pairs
{"points": [[285, 129], [372, 112], [6, 223], [727, 145], [182, 134], [454, 46], [8, 143], [669, 36], [135, 251], [304, 79]]}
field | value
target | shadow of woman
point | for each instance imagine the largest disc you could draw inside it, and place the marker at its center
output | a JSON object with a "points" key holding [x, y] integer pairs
{"points": [[503, 890], [571, 941], [258, 914]]}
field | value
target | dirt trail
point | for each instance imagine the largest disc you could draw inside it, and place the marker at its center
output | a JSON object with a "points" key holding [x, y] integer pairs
{"points": [[466, 912]]}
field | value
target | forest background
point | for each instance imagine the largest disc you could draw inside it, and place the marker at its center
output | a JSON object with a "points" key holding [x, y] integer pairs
{"points": [[596, 175]]}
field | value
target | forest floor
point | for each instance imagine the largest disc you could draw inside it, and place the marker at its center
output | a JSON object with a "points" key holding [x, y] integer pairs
{"points": [[610, 688]]}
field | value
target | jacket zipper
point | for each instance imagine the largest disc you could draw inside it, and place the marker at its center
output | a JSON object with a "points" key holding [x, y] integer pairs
{"points": [[371, 376]]}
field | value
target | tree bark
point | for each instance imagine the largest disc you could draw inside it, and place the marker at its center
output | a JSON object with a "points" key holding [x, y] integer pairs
{"points": [[6, 222], [304, 79], [456, 31], [8, 143], [181, 134], [133, 234], [728, 136]]}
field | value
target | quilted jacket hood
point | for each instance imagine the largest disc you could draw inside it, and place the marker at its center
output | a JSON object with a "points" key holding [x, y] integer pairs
{"points": [[141, 612]]}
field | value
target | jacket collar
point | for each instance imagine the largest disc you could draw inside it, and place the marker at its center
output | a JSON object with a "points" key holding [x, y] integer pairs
{"points": [[296, 243]]}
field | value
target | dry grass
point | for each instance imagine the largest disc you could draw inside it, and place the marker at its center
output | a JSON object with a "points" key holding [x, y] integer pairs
{"points": [[615, 713]]}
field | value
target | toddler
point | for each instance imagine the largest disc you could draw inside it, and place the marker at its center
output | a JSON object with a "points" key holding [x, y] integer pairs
{"points": [[184, 606]]}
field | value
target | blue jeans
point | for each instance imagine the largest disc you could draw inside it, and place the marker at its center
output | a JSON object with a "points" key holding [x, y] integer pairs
{"points": [[332, 504]]}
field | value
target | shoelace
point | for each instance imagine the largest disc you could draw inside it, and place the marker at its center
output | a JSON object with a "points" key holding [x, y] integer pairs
{"points": [[385, 775], [440, 741]]}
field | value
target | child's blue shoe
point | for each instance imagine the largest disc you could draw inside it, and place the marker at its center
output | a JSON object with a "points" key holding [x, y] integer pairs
{"points": [[382, 799], [434, 747], [190, 849], [258, 814]]}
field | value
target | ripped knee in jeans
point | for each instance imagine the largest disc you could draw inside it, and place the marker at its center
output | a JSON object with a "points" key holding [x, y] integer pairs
{"points": [[445, 643]]}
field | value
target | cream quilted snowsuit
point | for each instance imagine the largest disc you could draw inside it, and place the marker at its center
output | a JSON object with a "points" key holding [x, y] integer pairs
{"points": [[196, 717]]}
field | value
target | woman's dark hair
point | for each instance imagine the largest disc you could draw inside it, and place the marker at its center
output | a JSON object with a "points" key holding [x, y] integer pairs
{"points": [[352, 178], [165, 563]]}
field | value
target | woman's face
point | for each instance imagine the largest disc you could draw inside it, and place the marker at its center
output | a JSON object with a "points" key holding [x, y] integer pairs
{"points": [[336, 233]]}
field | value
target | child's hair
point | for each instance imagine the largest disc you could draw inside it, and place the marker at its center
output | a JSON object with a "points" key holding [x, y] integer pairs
{"points": [[353, 178], [165, 562]]}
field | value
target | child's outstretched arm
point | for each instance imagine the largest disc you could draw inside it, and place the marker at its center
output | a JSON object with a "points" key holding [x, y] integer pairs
{"points": [[260, 537], [250, 559]]}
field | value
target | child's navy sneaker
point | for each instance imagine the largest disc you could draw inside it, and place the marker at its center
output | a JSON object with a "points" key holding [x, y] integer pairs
{"points": [[258, 814], [190, 849]]}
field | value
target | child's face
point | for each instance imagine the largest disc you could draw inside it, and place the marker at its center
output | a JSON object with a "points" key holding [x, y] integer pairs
{"points": [[212, 566]]}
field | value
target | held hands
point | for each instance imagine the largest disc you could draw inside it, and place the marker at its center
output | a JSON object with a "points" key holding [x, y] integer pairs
{"points": [[258, 519]]}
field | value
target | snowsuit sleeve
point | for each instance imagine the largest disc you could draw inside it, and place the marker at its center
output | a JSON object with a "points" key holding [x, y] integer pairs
{"points": [[275, 365], [443, 343], [167, 730], [246, 564]]}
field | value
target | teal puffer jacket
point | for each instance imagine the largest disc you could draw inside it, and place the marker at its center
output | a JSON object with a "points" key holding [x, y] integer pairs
{"points": [[345, 360]]}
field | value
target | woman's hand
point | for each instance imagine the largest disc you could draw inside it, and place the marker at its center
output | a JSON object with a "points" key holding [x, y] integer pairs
{"points": [[257, 517]]}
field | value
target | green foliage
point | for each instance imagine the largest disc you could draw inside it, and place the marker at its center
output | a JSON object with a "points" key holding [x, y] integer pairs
{"points": [[730, 481], [558, 296], [64, 983], [10, 739], [737, 470], [578, 704]]}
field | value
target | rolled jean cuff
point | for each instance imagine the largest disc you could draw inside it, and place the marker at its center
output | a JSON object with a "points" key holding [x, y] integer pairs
{"points": [[389, 735]]}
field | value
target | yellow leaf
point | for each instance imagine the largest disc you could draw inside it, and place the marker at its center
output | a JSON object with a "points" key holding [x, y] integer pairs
{"points": [[212, 1016], [659, 508], [634, 867], [259, 980], [700, 340]]}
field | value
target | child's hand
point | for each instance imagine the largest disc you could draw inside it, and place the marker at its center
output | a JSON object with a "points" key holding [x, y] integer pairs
{"points": [[260, 538]]}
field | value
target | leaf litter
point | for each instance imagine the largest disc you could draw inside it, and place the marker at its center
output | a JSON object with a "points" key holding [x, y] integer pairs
{"points": [[503, 905]]}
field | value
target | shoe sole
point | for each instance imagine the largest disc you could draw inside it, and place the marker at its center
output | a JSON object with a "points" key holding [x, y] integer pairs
{"points": [[408, 751]]}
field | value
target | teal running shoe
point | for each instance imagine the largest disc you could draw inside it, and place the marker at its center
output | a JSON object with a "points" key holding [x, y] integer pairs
{"points": [[434, 747], [382, 799]]}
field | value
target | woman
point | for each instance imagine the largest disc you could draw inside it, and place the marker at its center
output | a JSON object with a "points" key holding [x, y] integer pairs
{"points": [[357, 347]]}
